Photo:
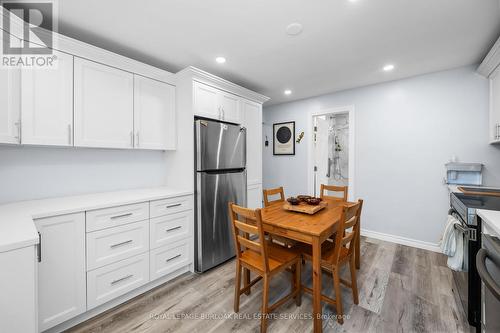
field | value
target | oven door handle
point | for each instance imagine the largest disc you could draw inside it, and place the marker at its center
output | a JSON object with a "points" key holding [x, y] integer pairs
{"points": [[485, 276]]}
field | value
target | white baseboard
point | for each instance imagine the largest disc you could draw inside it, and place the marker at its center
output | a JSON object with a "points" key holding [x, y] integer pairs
{"points": [[401, 240]]}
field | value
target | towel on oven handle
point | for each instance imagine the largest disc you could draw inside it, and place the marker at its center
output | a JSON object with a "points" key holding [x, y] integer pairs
{"points": [[452, 244]]}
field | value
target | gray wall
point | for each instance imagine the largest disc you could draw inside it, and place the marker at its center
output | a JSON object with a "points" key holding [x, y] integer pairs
{"points": [[41, 172], [405, 131]]}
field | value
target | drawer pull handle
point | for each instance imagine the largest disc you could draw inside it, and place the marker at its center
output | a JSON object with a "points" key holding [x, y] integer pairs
{"points": [[177, 256], [120, 244], [120, 216], [122, 279], [174, 205], [172, 229]]}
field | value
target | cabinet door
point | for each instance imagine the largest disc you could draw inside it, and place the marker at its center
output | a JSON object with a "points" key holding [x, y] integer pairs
{"points": [[495, 106], [230, 107], [154, 114], [104, 106], [206, 101], [61, 271], [254, 195], [47, 103], [253, 122], [10, 90]]}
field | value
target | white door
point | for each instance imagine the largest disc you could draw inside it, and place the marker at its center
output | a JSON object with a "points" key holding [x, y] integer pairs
{"points": [[321, 154], [104, 106], [252, 113], [47, 103], [154, 114], [229, 105], [10, 90], [61, 271], [206, 101]]}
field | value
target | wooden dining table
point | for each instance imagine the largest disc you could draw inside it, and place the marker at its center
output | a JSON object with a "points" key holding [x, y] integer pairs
{"points": [[310, 229]]}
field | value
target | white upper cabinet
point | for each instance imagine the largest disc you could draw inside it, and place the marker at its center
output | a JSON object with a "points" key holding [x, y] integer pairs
{"points": [[154, 114], [230, 107], [495, 106], [103, 105], [252, 113], [218, 104], [10, 89], [47, 103], [61, 270], [206, 102]]}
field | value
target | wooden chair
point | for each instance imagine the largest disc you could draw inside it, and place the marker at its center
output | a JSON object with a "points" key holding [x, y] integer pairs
{"points": [[261, 257], [267, 202], [332, 188], [273, 191], [334, 256]]}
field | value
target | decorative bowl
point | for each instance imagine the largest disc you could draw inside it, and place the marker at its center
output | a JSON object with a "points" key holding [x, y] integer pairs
{"points": [[313, 201], [304, 197], [293, 201]]}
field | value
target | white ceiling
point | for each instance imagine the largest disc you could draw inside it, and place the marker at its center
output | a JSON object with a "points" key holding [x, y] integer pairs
{"points": [[344, 44]]}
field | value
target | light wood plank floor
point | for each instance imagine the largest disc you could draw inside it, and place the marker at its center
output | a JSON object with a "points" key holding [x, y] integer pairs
{"points": [[402, 289]]}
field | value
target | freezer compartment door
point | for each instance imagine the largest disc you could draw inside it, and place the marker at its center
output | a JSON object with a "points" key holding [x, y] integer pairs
{"points": [[214, 238], [219, 145]]}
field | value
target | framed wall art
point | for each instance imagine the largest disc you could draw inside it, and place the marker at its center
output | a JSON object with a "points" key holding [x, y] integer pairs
{"points": [[284, 138]]}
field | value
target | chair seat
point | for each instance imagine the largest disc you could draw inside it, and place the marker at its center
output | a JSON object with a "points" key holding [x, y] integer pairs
{"points": [[327, 252], [278, 257]]}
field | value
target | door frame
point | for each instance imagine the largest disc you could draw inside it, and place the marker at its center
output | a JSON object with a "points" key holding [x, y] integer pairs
{"points": [[349, 109]]}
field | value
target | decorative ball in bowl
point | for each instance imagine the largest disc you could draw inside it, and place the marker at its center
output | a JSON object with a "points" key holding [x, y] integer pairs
{"points": [[313, 201], [293, 201]]}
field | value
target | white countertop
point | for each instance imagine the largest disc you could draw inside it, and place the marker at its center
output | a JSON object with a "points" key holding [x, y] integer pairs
{"points": [[491, 218], [17, 228]]}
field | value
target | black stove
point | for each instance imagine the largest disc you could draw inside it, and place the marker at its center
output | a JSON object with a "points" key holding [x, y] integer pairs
{"points": [[463, 207]]}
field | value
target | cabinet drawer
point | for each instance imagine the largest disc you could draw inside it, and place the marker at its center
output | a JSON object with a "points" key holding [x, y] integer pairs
{"points": [[170, 228], [110, 245], [109, 282], [111, 217], [169, 206], [166, 259]]}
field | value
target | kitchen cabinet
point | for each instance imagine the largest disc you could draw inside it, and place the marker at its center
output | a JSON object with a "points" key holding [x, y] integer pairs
{"points": [[229, 105], [61, 269], [103, 106], [252, 113], [10, 106], [47, 103], [154, 114], [254, 196], [495, 106], [214, 103]]}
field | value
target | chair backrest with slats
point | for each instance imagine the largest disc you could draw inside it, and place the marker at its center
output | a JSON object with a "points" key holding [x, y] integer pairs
{"points": [[333, 188], [247, 223], [273, 191], [344, 239]]}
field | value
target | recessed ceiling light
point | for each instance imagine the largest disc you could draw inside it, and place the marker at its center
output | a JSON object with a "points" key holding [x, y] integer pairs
{"points": [[287, 92], [388, 67], [294, 29], [220, 60]]}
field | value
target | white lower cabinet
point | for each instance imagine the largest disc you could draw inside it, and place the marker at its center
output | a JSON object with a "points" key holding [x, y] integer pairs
{"points": [[61, 270], [167, 229], [111, 281], [167, 259], [254, 196], [113, 244]]}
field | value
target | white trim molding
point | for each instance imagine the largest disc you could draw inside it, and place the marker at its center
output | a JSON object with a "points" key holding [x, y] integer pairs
{"points": [[349, 109], [220, 83], [491, 61], [401, 240]]}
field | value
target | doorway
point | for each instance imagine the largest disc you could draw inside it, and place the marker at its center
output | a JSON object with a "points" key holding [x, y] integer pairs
{"points": [[332, 150]]}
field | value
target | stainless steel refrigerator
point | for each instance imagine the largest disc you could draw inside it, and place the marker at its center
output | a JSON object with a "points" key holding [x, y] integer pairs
{"points": [[221, 177]]}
